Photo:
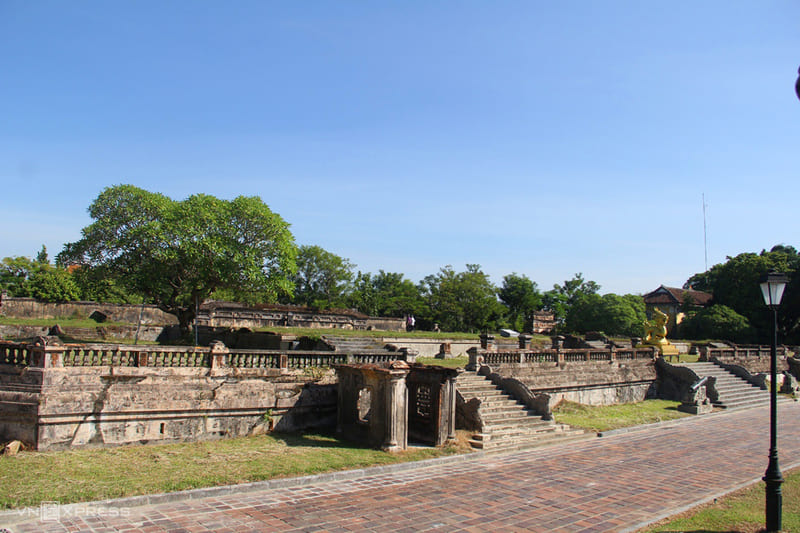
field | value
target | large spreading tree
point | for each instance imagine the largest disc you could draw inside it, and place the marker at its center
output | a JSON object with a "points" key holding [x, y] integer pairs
{"points": [[176, 253]]}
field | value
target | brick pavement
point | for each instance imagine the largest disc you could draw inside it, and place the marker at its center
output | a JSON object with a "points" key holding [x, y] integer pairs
{"points": [[614, 483]]}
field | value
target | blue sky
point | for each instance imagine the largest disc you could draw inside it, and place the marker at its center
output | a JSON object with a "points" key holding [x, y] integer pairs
{"points": [[542, 138]]}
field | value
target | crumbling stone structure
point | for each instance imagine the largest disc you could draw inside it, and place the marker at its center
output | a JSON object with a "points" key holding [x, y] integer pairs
{"points": [[590, 376], [60, 396], [385, 405]]}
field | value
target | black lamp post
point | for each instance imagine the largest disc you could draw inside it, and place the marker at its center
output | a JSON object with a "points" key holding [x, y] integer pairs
{"points": [[772, 286], [797, 84]]}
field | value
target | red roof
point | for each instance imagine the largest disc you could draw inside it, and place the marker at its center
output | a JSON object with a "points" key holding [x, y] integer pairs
{"points": [[674, 295]]}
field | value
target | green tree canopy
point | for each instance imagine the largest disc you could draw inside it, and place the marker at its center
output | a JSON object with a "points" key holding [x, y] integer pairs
{"points": [[386, 294], [463, 301], [176, 253], [735, 284], [717, 322], [611, 313], [14, 274], [323, 278], [562, 297], [522, 297], [52, 284], [23, 277]]}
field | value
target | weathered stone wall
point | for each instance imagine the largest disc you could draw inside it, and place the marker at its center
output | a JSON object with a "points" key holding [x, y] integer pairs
{"points": [[101, 406], [593, 377], [386, 323], [60, 396], [430, 347], [211, 314], [31, 308], [101, 332], [587, 382]]}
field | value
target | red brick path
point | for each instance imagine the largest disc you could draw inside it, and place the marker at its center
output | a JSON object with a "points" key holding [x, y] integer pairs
{"points": [[613, 483]]}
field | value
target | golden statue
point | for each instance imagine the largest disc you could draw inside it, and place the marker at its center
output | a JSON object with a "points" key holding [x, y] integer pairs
{"points": [[656, 333]]}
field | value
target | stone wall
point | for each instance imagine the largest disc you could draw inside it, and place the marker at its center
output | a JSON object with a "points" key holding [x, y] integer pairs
{"points": [[431, 347], [56, 397], [231, 315], [212, 314], [127, 313]]}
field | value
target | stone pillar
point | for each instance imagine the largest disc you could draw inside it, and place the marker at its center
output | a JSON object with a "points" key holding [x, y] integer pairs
{"points": [[218, 353], [558, 342], [409, 355], [444, 351], [43, 356], [396, 438], [487, 342], [475, 359], [451, 391], [525, 341]]}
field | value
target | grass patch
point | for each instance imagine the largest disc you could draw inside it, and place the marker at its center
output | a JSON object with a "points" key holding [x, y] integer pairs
{"points": [[454, 362], [741, 511], [94, 474], [64, 322], [607, 417]]}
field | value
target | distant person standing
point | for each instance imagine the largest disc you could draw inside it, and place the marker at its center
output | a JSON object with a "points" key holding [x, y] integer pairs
{"points": [[411, 323]]}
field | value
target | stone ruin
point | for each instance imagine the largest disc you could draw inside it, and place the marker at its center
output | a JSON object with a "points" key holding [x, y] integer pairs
{"points": [[384, 406]]}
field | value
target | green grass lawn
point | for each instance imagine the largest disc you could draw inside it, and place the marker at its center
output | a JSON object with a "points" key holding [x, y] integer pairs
{"points": [[455, 362], [741, 511], [600, 418], [63, 322], [94, 474]]}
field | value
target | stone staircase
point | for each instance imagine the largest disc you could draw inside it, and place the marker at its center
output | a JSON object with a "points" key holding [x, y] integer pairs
{"points": [[734, 392], [508, 425]]}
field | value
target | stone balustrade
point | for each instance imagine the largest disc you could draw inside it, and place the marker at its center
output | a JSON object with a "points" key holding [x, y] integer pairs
{"points": [[42, 355], [754, 358], [557, 356]]}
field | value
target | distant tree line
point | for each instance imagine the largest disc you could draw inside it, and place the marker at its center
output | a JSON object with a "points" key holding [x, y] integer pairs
{"points": [[146, 247]]}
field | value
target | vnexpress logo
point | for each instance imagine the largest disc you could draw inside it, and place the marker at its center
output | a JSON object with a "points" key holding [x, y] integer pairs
{"points": [[49, 511]]}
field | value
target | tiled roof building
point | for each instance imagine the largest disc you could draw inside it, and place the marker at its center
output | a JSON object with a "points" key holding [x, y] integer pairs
{"points": [[671, 301]]}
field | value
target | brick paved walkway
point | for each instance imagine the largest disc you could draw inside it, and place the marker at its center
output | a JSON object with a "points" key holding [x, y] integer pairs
{"points": [[614, 483]]}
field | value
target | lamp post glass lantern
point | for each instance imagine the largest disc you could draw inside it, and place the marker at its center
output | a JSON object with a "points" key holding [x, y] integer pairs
{"points": [[772, 287]]}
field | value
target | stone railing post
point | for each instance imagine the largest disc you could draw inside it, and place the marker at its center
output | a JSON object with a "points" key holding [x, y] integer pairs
{"points": [[43, 356], [409, 355], [475, 359], [525, 341], [444, 351], [487, 342], [142, 358], [283, 361], [217, 354]]}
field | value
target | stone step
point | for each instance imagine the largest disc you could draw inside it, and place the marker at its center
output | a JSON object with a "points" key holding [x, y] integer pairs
{"points": [[484, 394], [508, 409], [512, 444], [477, 387], [512, 422], [532, 430]]}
